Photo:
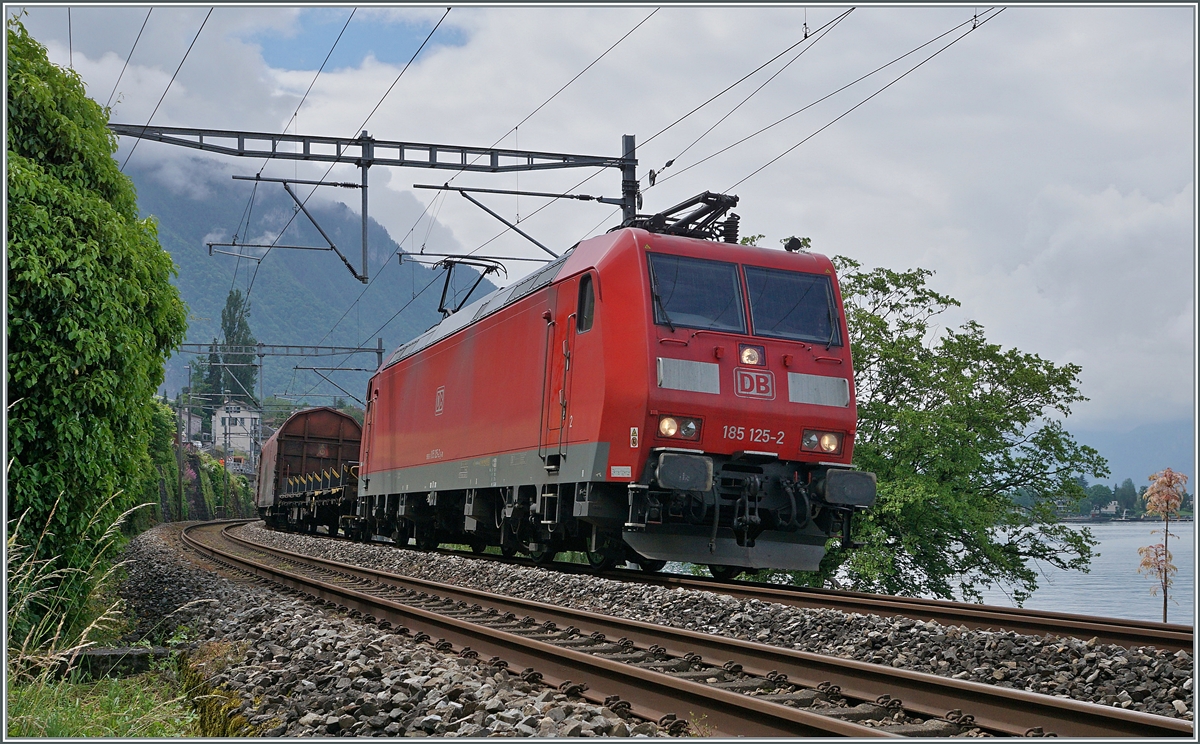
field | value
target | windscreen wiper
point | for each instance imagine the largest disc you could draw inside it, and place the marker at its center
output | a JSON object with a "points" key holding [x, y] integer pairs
{"points": [[658, 298], [833, 327]]}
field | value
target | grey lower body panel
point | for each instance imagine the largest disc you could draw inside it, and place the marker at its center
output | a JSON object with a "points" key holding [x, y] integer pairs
{"points": [[772, 549], [584, 462]]}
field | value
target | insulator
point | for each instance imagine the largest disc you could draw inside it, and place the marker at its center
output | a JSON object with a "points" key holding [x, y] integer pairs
{"points": [[729, 228]]}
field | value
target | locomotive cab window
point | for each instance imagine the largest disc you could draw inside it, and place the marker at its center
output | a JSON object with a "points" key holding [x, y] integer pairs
{"points": [[696, 293], [792, 305], [587, 305]]}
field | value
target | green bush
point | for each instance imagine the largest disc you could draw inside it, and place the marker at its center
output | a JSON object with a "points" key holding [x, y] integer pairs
{"points": [[91, 312]]}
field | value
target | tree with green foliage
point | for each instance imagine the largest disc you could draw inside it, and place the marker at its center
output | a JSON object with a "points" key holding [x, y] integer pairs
{"points": [[349, 409], [238, 373], [954, 427], [1127, 495], [1098, 497], [91, 312]]}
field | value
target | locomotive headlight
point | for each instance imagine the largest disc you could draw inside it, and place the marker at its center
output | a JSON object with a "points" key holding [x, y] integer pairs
{"points": [[827, 442], [687, 429], [830, 442], [679, 427], [668, 426], [752, 355]]}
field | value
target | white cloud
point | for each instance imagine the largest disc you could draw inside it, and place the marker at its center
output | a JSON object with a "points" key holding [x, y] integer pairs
{"points": [[1043, 166], [1103, 280]]}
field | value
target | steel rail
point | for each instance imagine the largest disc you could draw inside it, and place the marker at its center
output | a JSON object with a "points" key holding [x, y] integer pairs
{"points": [[657, 695], [998, 709], [1126, 632], [1120, 631]]}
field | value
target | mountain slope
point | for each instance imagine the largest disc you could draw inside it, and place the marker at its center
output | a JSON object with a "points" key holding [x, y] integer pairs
{"points": [[297, 296]]}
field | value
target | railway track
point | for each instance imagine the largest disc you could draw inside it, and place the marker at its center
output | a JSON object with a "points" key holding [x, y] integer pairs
{"points": [[679, 677], [1119, 631]]}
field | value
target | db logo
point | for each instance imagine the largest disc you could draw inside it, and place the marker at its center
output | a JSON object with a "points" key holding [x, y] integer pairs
{"points": [[754, 383], [439, 401]]}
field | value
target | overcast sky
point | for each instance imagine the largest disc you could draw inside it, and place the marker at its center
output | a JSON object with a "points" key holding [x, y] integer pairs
{"points": [[1043, 166]]}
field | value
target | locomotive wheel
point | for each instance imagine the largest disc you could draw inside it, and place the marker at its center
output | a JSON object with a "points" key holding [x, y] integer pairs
{"points": [[543, 557], [426, 542], [726, 573], [600, 562], [478, 546], [650, 566], [508, 551]]}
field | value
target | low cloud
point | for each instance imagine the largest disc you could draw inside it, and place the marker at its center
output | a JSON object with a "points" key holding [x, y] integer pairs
{"points": [[1043, 166]]}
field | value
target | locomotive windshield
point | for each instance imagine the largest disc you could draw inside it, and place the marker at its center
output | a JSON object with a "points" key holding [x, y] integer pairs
{"points": [[792, 305], [695, 293]]}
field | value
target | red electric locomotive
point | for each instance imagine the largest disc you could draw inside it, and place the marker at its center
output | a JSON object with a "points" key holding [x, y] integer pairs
{"points": [[650, 396]]}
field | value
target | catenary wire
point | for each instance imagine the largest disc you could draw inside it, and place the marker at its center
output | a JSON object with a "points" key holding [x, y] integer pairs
{"points": [[330, 168], [884, 66], [739, 81], [460, 172], [135, 43], [164, 95], [359, 128], [261, 168], [314, 80], [816, 36], [593, 175], [821, 29], [975, 24], [560, 90]]}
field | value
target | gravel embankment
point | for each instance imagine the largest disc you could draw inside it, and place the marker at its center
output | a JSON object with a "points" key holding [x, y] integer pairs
{"points": [[304, 670], [1142, 679]]}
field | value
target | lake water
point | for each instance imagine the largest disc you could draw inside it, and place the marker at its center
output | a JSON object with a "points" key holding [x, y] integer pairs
{"points": [[1113, 587]]}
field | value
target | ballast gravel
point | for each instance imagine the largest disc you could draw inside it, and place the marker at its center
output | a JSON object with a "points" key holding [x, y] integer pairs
{"points": [[304, 670], [1143, 679]]}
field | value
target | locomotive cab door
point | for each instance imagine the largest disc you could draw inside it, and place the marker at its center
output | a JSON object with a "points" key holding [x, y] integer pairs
{"points": [[556, 393], [364, 467]]}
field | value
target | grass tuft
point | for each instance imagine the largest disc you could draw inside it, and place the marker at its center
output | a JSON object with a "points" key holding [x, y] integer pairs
{"points": [[139, 706]]}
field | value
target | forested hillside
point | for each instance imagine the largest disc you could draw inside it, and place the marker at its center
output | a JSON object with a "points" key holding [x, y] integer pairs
{"points": [[297, 296]]}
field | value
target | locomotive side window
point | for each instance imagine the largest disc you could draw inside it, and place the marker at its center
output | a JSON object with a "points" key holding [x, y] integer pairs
{"points": [[587, 305], [696, 293], [792, 305]]}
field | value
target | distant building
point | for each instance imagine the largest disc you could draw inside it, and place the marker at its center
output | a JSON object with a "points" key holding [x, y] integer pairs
{"points": [[235, 428], [1112, 508], [190, 423]]}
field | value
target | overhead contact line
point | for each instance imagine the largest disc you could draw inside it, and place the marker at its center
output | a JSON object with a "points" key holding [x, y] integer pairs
{"points": [[331, 165], [168, 88], [456, 175], [359, 128], [976, 23], [820, 30], [129, 57], [816, 35]]}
